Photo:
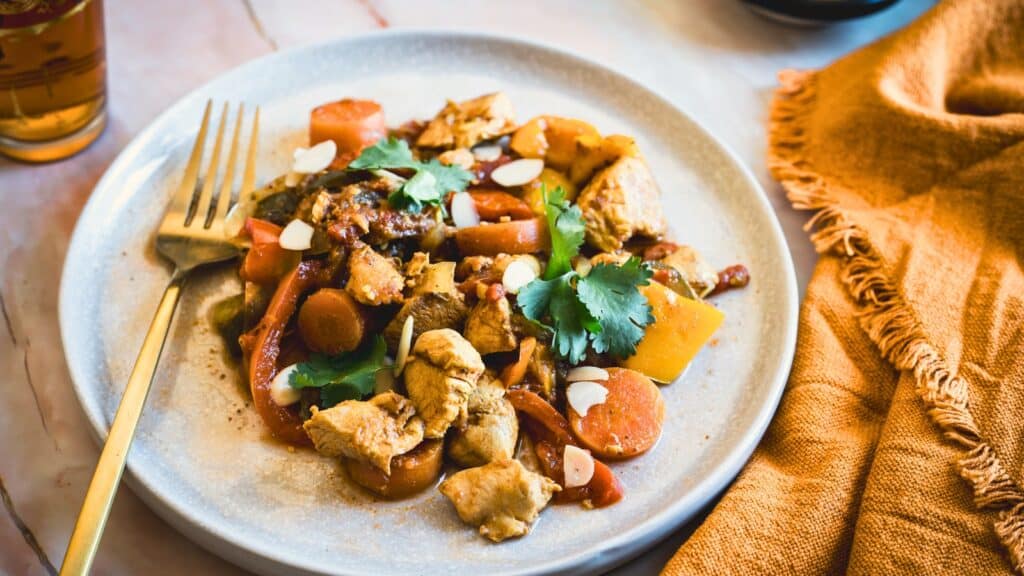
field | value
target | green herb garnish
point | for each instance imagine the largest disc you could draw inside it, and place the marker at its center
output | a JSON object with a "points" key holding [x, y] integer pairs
{"points": [[343, 377], [427, 186], [565, 226], [604, 309]]}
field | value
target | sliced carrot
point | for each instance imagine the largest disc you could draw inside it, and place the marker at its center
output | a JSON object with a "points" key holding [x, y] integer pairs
{"points": [[514, 373], [491, 205], [352, 124], [411, 472], [516, 237], [266, 262], [629, 421], [331, 321]]}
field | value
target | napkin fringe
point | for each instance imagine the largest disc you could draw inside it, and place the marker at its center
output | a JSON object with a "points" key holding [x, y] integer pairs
{"points": [[884, 314]]}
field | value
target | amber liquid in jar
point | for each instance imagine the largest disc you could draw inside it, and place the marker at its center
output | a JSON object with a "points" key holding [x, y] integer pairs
{"points": [[52, 77]]}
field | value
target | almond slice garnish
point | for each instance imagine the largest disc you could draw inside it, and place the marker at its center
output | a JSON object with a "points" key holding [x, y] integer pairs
{"points": [[518, 172], [584, 395], [578, 466], [464, 212], [297, 235], [314, 159], [517, 274], [592, 373], [281, 392], [404, 345]]}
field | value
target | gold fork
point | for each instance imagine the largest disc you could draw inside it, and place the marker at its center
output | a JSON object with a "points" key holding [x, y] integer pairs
{"points": [[190, 235]]}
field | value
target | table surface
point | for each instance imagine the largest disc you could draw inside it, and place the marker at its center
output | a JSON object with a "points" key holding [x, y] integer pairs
{"points": [[713, 58]]}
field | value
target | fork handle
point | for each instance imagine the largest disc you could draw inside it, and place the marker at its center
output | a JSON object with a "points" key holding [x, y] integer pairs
{"points": [[93, 517]]}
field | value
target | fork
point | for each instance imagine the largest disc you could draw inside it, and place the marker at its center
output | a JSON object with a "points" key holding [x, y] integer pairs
{"points": [[190, 235]]}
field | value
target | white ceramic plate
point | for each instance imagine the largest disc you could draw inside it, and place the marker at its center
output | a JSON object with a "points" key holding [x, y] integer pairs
{"points": [[201, 457]]}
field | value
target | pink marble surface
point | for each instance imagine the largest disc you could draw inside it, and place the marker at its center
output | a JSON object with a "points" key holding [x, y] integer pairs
{"points": [[711, 57]]}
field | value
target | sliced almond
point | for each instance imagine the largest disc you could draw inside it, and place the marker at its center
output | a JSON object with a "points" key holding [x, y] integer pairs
{"points": [[584, 395], [281, 391], [579, 466], [517, 274], [464, 212], [518, 172], [292, 178], [314, 159], [404, 345], [592, 373], [297, 235], [487, 152]]}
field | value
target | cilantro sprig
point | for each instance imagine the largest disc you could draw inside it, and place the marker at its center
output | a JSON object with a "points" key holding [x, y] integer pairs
{"points": [[343, 377], [565, 227], [427, 186], [603, 310]]}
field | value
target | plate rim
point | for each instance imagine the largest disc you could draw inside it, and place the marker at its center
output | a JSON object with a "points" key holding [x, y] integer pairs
{"points": [[605, 556]]}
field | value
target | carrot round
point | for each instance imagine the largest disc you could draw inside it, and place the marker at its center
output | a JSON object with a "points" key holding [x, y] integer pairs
{"points": [[330, 321], [352, 124], [629, 421], [493, 204], [516, 237], [410, 472]]}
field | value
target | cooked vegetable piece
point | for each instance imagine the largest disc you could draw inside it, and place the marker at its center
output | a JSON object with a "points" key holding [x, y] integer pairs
{"points": [[602, 490], [503, 498], [514, 373], [352, 124], [331, 321], [516, 237], [628, 423], [552, 138], [682, 326], [491, 205], [554, 428], [266, 346], [374, 431], [549, 179], [731, 278], [228, 318], [700, 275], [266, 262], [411, 472]]}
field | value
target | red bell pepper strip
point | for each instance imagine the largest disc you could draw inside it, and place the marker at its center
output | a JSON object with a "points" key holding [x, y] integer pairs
{"points": [[284, 423], [551, 433], [266, 262]]}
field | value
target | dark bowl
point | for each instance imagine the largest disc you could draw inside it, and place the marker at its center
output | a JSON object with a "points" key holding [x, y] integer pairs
{"points": [[816, 11]]}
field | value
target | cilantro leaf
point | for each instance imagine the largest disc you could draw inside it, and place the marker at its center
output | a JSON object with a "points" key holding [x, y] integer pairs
{"points": [[428, 186], [572, 321], [388, 153], [609, 293], [565, 225], [344, 377]]}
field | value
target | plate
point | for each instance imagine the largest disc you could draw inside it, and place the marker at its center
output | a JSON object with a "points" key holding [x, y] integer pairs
{"points": [[201, 458]]}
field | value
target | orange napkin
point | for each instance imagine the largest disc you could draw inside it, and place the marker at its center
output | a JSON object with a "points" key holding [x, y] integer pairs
{"points": [[899, 444]]}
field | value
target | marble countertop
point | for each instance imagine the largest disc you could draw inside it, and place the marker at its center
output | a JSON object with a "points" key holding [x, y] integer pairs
{"points": [[713, 58]]}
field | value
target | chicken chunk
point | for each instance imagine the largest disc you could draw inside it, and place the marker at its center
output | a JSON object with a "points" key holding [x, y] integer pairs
{"points": [[372, 431], [491, 430], [440, 375], [620, 202], [430, 311], [502, 497], [465, 124], [373, 279], [489, 326], [700, 275]]}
